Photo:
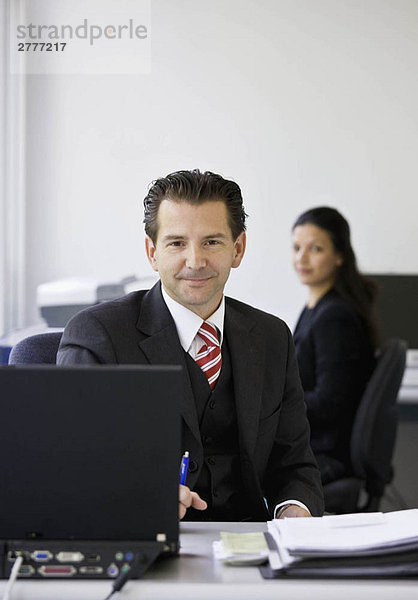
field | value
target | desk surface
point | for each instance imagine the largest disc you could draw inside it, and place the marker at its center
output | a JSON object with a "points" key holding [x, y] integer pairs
{"points": [[198, 577]]}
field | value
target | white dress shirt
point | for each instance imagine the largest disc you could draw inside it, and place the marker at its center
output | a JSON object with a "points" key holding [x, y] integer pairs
{"points": [[188, 324]]}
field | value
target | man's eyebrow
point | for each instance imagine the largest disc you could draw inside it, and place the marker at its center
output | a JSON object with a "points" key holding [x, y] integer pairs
{"points": [[174, 237], [222, 236], [170, 238]]}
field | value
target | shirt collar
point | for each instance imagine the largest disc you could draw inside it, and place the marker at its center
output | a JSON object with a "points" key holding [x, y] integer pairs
{"points": [[188, 323]]}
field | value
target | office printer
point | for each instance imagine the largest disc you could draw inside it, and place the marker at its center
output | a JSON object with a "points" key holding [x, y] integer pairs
{"points": [[59, 300]]}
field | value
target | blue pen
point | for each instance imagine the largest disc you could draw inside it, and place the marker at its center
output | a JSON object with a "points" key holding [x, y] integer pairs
{"points": [[183, 468]]}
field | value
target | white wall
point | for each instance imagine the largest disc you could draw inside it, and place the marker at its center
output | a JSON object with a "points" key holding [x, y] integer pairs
{"points": [[2, 171], [302, 102], [12, 188]]}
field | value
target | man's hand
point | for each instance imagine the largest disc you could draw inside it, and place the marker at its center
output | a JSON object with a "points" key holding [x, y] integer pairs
{"points": [[189, 499], [292, 510]]}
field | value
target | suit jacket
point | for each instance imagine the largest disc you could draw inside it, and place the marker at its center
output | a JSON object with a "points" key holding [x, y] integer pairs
{"points": [[335, 360], [277, 461]]}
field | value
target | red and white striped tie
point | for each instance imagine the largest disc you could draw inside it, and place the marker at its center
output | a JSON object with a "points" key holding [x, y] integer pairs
{"points": [[209, 357]]}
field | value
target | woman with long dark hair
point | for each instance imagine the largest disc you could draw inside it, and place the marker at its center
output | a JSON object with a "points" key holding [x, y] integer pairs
{"points": [[335, 336]]}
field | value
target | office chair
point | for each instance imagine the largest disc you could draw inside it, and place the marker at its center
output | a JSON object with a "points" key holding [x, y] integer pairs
{"points": [[372, 438], [40, 348]]}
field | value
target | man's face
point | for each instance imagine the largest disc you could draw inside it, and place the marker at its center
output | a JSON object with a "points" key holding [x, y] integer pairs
{"points": [[194, 253]]}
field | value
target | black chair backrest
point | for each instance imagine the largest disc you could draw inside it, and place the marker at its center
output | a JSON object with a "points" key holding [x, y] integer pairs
{"points": [[40, 348], [374, 429]]}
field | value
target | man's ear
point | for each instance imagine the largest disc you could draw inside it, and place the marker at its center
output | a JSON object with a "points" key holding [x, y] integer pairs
{"points": [[239, 249], [150, 252]]}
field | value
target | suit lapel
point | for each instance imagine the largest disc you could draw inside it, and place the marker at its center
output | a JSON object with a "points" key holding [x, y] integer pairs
{"points": [[162, 347], [247, 356]]}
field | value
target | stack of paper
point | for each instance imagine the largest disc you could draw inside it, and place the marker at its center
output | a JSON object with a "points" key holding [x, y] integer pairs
{"points": [[363, 544]]}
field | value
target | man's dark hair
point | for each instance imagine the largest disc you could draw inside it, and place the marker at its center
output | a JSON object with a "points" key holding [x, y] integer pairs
{"points": [[194, 187]]}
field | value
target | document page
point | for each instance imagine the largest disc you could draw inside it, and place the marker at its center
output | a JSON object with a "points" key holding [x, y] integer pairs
{"points": [[346, 534]]}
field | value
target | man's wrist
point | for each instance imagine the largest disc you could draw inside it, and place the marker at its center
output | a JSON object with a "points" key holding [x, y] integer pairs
{"points": [[280, 508]]}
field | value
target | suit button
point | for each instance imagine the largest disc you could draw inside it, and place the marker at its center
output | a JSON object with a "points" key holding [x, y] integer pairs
{"points": [[211, 461], [206, 439], [193, 466], [215, 493], [212, 404]]}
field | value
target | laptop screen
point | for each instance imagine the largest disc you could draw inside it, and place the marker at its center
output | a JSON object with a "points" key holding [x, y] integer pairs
{"points": [[89, 452]]}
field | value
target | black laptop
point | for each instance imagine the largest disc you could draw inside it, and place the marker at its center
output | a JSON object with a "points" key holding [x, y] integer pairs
{"points": [[89, 467]]}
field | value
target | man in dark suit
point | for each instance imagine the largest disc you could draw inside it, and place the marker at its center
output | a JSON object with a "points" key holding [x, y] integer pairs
{"points": [[244, 418]]}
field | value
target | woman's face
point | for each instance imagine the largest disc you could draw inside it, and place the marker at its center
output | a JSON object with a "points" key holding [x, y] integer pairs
{"points": [[314, 257]]}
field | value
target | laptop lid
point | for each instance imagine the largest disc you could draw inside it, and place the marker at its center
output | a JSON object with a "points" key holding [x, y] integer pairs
{"points": [[89, 452]]}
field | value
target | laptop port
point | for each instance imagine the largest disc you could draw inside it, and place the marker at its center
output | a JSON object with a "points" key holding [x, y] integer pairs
{"points": [[64, 557], [26, 571], [57, 570], [92, 557], [112, 570], [91, 570], [41, 555], [13, 554]]}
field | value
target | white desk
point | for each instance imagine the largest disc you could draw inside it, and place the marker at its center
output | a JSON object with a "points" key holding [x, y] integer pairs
{"points": [[194, 575], [408, 394]]}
